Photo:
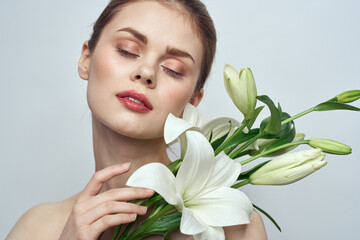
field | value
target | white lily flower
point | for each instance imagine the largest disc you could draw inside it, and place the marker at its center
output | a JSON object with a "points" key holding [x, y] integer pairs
{"points": [[201, 189], [217, 127], [193, 119], [289, 168]]}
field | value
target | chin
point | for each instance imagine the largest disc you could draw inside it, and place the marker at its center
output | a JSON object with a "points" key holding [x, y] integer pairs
{"points": [[130, 126], [136, 132]]}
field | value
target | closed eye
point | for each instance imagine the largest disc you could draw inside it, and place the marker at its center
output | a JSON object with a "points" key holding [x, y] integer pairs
{"points": [[127, 54], [172, 73]]}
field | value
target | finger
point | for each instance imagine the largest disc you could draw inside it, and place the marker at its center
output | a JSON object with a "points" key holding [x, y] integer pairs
{"points": [[100, 177], [113, 207], [118, 194], [111, 220]]}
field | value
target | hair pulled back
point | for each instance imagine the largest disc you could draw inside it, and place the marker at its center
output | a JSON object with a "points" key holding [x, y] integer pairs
{"points": [[194, 9]]}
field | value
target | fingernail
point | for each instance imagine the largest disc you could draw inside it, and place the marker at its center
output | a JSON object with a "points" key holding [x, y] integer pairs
{"points": [[149, 190], [126, 164], [143, 209], [132, 215]]}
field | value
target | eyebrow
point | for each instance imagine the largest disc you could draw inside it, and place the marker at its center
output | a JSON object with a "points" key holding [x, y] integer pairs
{"points": [[178, 53], [135, 33], [169, 50]]}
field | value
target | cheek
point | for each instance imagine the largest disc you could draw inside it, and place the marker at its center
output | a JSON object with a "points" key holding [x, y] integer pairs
{"points": [[178, 97], [101, 84], [102, 67]]}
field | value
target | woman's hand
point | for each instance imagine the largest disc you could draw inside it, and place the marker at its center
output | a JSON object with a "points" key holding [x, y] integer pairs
{"points": [[93, 213]]}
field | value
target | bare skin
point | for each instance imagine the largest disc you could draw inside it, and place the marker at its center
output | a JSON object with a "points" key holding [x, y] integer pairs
{"points": [[48, 220], [122, 61]]}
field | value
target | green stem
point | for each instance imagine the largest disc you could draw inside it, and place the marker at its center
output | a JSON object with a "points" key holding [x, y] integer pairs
{"points": [[240, 184], [297, 116], [274, 150], [334, 99], [223, 145], [137, 233], [268, 216], [247, 152], [157, 209], [251, 141], [126, 231]]}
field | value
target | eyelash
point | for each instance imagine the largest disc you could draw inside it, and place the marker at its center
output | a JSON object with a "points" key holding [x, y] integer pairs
{"points": [[169, 71], [127, 53], [173, 73]]}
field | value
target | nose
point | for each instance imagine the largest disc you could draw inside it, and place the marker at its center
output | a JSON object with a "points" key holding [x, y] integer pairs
{"points": [[145, 74]]}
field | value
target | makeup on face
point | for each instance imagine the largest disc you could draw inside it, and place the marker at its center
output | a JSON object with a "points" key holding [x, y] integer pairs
{"points": [[140, 73], [132, 43], [135, 101]]}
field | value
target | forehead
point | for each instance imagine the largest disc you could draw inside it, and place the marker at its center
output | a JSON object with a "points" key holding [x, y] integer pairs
{"points": [[162, 25]]}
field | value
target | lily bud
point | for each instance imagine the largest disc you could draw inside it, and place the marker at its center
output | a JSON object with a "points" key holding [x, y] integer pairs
{"points": [[348, 96], [330, 146], [242, 89], [289, 168]]}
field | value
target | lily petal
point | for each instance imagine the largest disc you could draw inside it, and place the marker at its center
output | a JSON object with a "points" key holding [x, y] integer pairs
{"points": [[289, 160], [225, 172], [193, 115], [174, 127], [219, 127], [230, 74], [189, 224], [222, 207], [196, 167], [212, 233], [157, 177]]}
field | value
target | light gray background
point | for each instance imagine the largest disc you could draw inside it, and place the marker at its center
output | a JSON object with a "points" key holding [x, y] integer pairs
{"points": [[301, 53]]}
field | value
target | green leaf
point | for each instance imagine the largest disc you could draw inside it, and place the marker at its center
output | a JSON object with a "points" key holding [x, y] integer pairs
{"points": [[268, 216], [155, 199], [273, 125], [166, 236], [116, 232], [329, 106], [246, 174], [286, 134], [174, 166], [256, 114], [211, 135], [286, 138], [240, 138], [163, 224], [279, 107], [284, 129]]}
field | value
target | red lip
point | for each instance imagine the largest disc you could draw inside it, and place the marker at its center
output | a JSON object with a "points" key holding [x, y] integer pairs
{"points": [[122, 96]]}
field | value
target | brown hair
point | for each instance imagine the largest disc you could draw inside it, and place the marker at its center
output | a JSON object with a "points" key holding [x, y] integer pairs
{"points": [[194, 9]]}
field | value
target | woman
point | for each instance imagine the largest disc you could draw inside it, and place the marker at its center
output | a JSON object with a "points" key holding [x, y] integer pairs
{"points": [[145, 59]]}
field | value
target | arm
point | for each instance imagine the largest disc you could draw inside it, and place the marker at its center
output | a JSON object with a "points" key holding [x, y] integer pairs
{"points": [[253, 231], [37, 223]]}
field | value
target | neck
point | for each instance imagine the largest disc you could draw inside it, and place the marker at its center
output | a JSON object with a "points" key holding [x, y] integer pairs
{"points": [[112, 148]]}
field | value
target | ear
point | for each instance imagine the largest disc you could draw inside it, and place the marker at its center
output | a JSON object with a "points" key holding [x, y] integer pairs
{"points": [[84, 62], [197, 97]]}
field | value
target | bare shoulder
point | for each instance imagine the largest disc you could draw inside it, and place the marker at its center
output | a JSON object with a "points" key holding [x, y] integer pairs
{"points": [[44, 221], [253, 231]]}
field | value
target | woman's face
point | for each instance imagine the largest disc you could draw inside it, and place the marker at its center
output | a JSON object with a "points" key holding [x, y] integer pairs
{"points": [[145, 66]]}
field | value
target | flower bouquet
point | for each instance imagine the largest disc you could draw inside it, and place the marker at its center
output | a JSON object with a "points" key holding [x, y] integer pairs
{"points": [[198, 193]]}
